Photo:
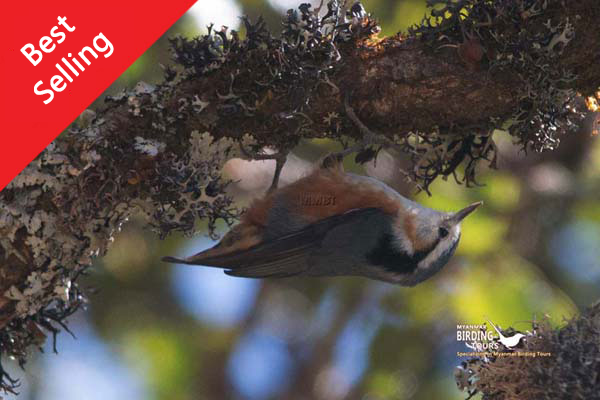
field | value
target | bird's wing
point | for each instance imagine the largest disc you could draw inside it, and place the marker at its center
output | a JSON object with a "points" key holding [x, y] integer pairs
{"points": [[284, 256]]}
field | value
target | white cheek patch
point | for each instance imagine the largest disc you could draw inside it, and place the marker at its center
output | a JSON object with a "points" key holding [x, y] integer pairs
{"points": [[455, 233], [442, 246]]}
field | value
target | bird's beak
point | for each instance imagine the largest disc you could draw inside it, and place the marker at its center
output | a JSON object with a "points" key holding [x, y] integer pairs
{"points": [[460, 215]]}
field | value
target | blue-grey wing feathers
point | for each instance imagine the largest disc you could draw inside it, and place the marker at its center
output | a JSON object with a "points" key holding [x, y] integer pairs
{"points": [[289, 254]]}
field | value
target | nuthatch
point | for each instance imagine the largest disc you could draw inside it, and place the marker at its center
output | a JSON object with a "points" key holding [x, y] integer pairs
{"points": [[333, 223]]}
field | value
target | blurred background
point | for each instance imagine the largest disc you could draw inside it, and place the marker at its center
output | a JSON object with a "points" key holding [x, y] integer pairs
{"points": [[157, 331]]}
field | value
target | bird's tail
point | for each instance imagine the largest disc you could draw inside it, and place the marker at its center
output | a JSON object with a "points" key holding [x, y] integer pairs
{"points": [[241, 237]]}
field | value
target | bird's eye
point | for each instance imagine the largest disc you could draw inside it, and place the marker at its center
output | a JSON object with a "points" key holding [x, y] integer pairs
{"points": [[443, 232]]}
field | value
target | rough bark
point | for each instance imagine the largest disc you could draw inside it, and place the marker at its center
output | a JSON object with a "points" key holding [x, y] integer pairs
{"points": [[437, 94]]}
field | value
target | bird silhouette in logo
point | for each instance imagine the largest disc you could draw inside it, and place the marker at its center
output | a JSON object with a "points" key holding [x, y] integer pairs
{"points": [[507, 341]]}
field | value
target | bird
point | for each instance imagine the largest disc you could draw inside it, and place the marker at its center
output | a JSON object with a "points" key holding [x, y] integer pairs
{"points": [[335, 223], [507, 341]]}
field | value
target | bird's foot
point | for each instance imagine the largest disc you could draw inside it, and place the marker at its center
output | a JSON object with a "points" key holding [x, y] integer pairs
{"points": [[371, 143], [368, 136], [279, 157]]}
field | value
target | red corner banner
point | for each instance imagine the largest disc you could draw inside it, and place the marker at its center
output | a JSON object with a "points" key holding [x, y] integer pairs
{"points": [[57, 57]]}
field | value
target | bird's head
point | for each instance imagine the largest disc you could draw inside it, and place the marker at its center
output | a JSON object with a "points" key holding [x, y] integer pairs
{"points": [[426, 239]]}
